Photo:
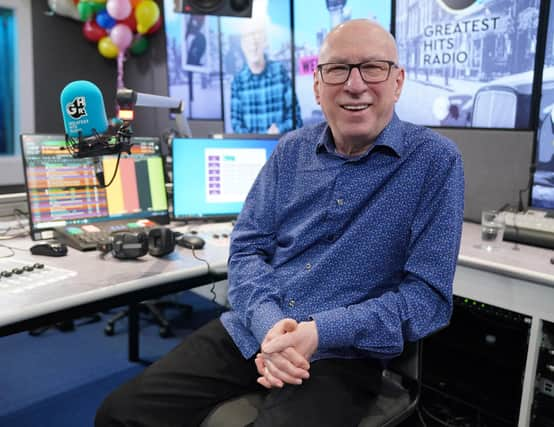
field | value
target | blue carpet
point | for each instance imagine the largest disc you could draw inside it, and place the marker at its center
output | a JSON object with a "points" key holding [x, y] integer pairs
{"points": [[60, 378]]}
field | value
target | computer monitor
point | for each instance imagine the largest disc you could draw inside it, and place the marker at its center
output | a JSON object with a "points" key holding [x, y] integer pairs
{"points": [[62, 190], [212, 177]]}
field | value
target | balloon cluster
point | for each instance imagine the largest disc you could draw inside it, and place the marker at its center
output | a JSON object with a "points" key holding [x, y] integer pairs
{"points": [[117, 26]]}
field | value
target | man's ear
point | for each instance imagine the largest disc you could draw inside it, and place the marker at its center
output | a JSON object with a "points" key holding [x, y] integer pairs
{"points": [[316, 87], [399, 83]]}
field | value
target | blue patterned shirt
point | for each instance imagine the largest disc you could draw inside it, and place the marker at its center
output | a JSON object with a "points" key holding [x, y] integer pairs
{"points": [[259, 100], [365, 246]]}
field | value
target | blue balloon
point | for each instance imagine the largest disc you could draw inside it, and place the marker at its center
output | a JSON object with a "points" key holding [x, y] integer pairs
{"points": [[104, 20]]}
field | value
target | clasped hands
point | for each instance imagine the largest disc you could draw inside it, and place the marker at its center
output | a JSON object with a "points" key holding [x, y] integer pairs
{"points": [[285, 353]]}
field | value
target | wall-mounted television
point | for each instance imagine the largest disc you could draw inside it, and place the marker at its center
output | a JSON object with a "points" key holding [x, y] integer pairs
{"points": [[468, 64]]}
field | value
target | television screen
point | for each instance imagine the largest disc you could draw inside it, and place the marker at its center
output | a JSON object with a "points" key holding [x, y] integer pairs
{"points": [[193, 65], [542, 194], [468, 64], [312, 22], [212, 177], [257, 64]]}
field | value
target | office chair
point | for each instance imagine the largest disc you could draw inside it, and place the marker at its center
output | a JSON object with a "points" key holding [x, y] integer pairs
{"points": [[155, 309], [397, 400]]}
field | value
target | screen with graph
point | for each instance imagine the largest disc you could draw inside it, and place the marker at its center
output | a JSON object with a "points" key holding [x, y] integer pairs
{"points": [[62, 190], [212, 177]]}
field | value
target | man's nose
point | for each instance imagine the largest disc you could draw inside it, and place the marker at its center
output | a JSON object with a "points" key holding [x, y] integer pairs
{"points": [[355, 81]]}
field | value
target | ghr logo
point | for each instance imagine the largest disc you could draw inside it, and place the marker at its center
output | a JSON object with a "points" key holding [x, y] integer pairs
{"points": [[457, 5], [77, 107]]}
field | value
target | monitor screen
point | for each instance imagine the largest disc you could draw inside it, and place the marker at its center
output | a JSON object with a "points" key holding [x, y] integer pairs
{"points": [[468, 64], [62, 190], [212, 177], [542, 195]]}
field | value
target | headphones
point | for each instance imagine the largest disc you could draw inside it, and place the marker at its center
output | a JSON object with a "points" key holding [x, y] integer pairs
{"points": [[159, 241]]}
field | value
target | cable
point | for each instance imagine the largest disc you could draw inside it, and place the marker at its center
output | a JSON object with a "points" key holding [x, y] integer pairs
{"points": [[419, 416], [434, 418], [212, 288]]}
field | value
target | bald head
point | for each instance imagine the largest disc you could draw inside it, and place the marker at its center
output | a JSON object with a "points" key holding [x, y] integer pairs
{"points": [[351, 34]]}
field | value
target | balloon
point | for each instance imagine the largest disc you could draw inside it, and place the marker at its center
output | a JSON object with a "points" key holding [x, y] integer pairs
{"points": [[121, 36], [155, 27], [92, 31], [98, 7], [119, 9], [64, 8], [139, 45], [105, 20], [134, 3], [98, 1], [131, 22], [147, 13], [106, 48], [85, 10]]}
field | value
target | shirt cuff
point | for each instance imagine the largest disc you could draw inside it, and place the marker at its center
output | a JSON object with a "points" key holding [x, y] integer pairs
{"points": [[333, 329], [266, 315]]}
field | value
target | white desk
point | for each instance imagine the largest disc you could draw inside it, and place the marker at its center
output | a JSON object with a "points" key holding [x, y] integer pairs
{"points": [[97, 282], [519, 280]]}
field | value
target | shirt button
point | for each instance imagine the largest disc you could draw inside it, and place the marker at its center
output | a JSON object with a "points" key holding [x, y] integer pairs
{"points": [[292, 303], [308, 266], [340, 202]]}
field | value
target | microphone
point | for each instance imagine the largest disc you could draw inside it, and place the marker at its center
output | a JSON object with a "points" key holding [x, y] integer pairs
{"points": [[86, 126], [83, 111]]}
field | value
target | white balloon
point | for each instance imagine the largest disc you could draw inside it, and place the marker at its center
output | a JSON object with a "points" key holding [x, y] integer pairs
{"points": [[64, 8]]}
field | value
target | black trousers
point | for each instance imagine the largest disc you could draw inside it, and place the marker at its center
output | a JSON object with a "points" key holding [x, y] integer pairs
{"points": [[207, 368]]}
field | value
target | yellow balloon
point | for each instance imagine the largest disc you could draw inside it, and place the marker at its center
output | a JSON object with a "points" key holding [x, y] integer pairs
{"points": [[107, 48], [147, 14], [98, 1]]}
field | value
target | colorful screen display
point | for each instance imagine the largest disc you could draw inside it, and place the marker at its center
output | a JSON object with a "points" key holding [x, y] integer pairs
{"points": [[62, 190], [468, 64], [212, 177]]}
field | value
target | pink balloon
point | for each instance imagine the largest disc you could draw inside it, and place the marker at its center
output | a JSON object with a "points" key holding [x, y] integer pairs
{"points": [[121, 36], [119, 9]]}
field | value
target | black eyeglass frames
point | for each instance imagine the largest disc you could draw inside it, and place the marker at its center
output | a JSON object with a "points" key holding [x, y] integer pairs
{"points": [[375, 71]]}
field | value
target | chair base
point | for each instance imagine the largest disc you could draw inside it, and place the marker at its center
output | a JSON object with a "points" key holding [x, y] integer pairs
{"points": [[155, 309]]}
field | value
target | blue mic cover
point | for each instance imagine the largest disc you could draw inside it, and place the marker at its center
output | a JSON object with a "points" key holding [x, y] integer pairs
{"points": [[83, 109]]}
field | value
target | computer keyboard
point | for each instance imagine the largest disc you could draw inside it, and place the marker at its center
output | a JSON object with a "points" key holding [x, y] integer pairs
{"points": [[531, 227], [86, 237]]}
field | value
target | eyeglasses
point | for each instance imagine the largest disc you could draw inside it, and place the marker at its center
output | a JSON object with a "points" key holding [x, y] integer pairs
{"points": [[376, 71]]}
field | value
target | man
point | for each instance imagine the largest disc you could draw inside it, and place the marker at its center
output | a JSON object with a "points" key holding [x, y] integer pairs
{"points": [[345, 249], [262, 100]]}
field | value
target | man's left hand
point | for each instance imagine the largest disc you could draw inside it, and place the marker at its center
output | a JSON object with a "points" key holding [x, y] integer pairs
{"points": [[304, 339]]}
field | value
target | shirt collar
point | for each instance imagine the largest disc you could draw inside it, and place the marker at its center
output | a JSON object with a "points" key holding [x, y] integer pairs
{"points": [[391, 137]]}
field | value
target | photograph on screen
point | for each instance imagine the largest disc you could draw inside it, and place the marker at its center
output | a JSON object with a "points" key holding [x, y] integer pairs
{"points": [[542, 194], [193, 65], [212, 177], [468, 64], [312, 22], [257, 84]]}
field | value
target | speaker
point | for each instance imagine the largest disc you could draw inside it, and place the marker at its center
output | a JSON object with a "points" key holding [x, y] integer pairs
{"points": [[161, 241], [241, 8]]}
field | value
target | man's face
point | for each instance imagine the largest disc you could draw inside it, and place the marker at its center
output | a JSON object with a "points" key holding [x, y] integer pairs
{"points": [[253, 43], [355, 110]]}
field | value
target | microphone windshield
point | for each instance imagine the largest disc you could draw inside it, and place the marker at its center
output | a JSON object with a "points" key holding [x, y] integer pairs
{"points": [[83, 109]]}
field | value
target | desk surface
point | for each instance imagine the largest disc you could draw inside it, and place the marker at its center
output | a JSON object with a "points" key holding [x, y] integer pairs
{"points": [[514, 260]]}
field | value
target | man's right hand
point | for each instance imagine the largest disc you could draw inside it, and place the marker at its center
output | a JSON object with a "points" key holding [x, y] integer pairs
{"points": [[287, 366]]}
